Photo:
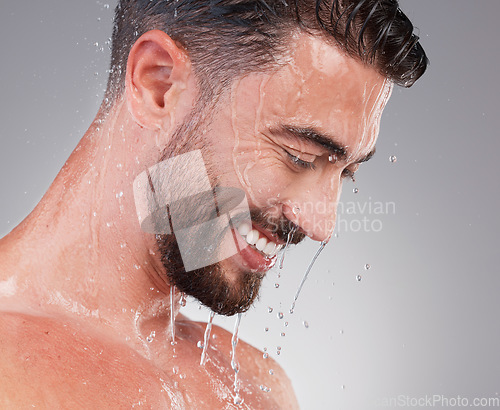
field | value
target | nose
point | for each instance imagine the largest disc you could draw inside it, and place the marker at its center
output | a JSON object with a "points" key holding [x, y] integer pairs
{"points": [[314, 208]]}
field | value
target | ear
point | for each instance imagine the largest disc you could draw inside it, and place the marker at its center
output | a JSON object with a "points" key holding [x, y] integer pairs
{"points": [[157, 71]]}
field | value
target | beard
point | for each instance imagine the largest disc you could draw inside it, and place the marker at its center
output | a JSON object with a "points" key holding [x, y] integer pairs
{"points": [[220, 286], [211, 285]]}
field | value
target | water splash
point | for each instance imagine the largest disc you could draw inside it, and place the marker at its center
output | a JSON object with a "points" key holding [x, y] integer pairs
{"points": [[288, 241], [206, 339], [265, 389], [323, 244], [172, 313], [234, 362]]}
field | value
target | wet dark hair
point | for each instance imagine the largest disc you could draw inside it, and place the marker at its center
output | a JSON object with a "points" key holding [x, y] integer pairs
{"points": [[228, 38]]}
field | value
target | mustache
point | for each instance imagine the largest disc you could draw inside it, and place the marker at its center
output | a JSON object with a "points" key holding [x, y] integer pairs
{"points": [[284, 229]]}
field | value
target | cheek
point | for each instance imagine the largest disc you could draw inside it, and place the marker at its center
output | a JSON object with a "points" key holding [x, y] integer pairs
{"points": [[263, 172]]}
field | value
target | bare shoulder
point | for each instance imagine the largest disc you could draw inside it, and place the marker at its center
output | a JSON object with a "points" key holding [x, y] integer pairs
{"points": [[262, 372], [53, 365]]}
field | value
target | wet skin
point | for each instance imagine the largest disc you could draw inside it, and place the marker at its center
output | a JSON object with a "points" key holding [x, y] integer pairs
{"points": [[54, 363], [83, 287]]}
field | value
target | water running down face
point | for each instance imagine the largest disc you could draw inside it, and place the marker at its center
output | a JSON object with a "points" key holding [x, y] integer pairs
{"points": [[287, 139]]}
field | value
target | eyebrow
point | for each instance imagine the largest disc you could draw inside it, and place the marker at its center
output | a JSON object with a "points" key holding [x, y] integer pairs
{"points": [[316, 137]]}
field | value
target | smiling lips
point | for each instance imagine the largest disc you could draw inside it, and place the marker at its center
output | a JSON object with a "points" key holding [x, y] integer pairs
{"points": [[259, 241]]}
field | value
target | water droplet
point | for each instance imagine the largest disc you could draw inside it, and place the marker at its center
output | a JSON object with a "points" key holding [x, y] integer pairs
{"points": [[306, 324], [341, 331], [280, 315], [271, 372], [393, 158], [367, 266], [355, 190], [119, 194], [276, 285], [106, 6], [282, 334], [151, 337], [265, 389], [296, 210], [358, 278], [342, 387], [266, 329], [265, 355], [109, 224], [123, 245], [278, 352], [278, 347], [286, 324], [270, 309], [199, 345]]}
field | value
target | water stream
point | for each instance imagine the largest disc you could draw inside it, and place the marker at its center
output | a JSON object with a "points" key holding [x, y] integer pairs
{"points": [[172, 313], [288, 240], [322, 246], [206, 339], [234, 361]]}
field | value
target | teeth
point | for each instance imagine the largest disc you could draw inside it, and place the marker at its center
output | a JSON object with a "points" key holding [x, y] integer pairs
{"points": [[253, 237], [270, 249], [261, 244], [244, 228]]}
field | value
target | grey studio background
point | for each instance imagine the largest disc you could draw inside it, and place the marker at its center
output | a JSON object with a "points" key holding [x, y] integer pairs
{"points": [[423, 320]]}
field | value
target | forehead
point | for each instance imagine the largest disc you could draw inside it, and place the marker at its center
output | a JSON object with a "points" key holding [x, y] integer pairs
{"points": [[322, 87], [316, 67]]}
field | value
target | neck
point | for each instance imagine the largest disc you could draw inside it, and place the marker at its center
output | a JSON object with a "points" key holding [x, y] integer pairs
{"points": [[81, 252]]}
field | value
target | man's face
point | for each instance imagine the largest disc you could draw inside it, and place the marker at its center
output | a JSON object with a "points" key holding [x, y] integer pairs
{"points": [[287, 139]]}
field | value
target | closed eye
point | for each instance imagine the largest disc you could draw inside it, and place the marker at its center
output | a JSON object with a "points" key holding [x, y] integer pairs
{"points": [[299, 162]]}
